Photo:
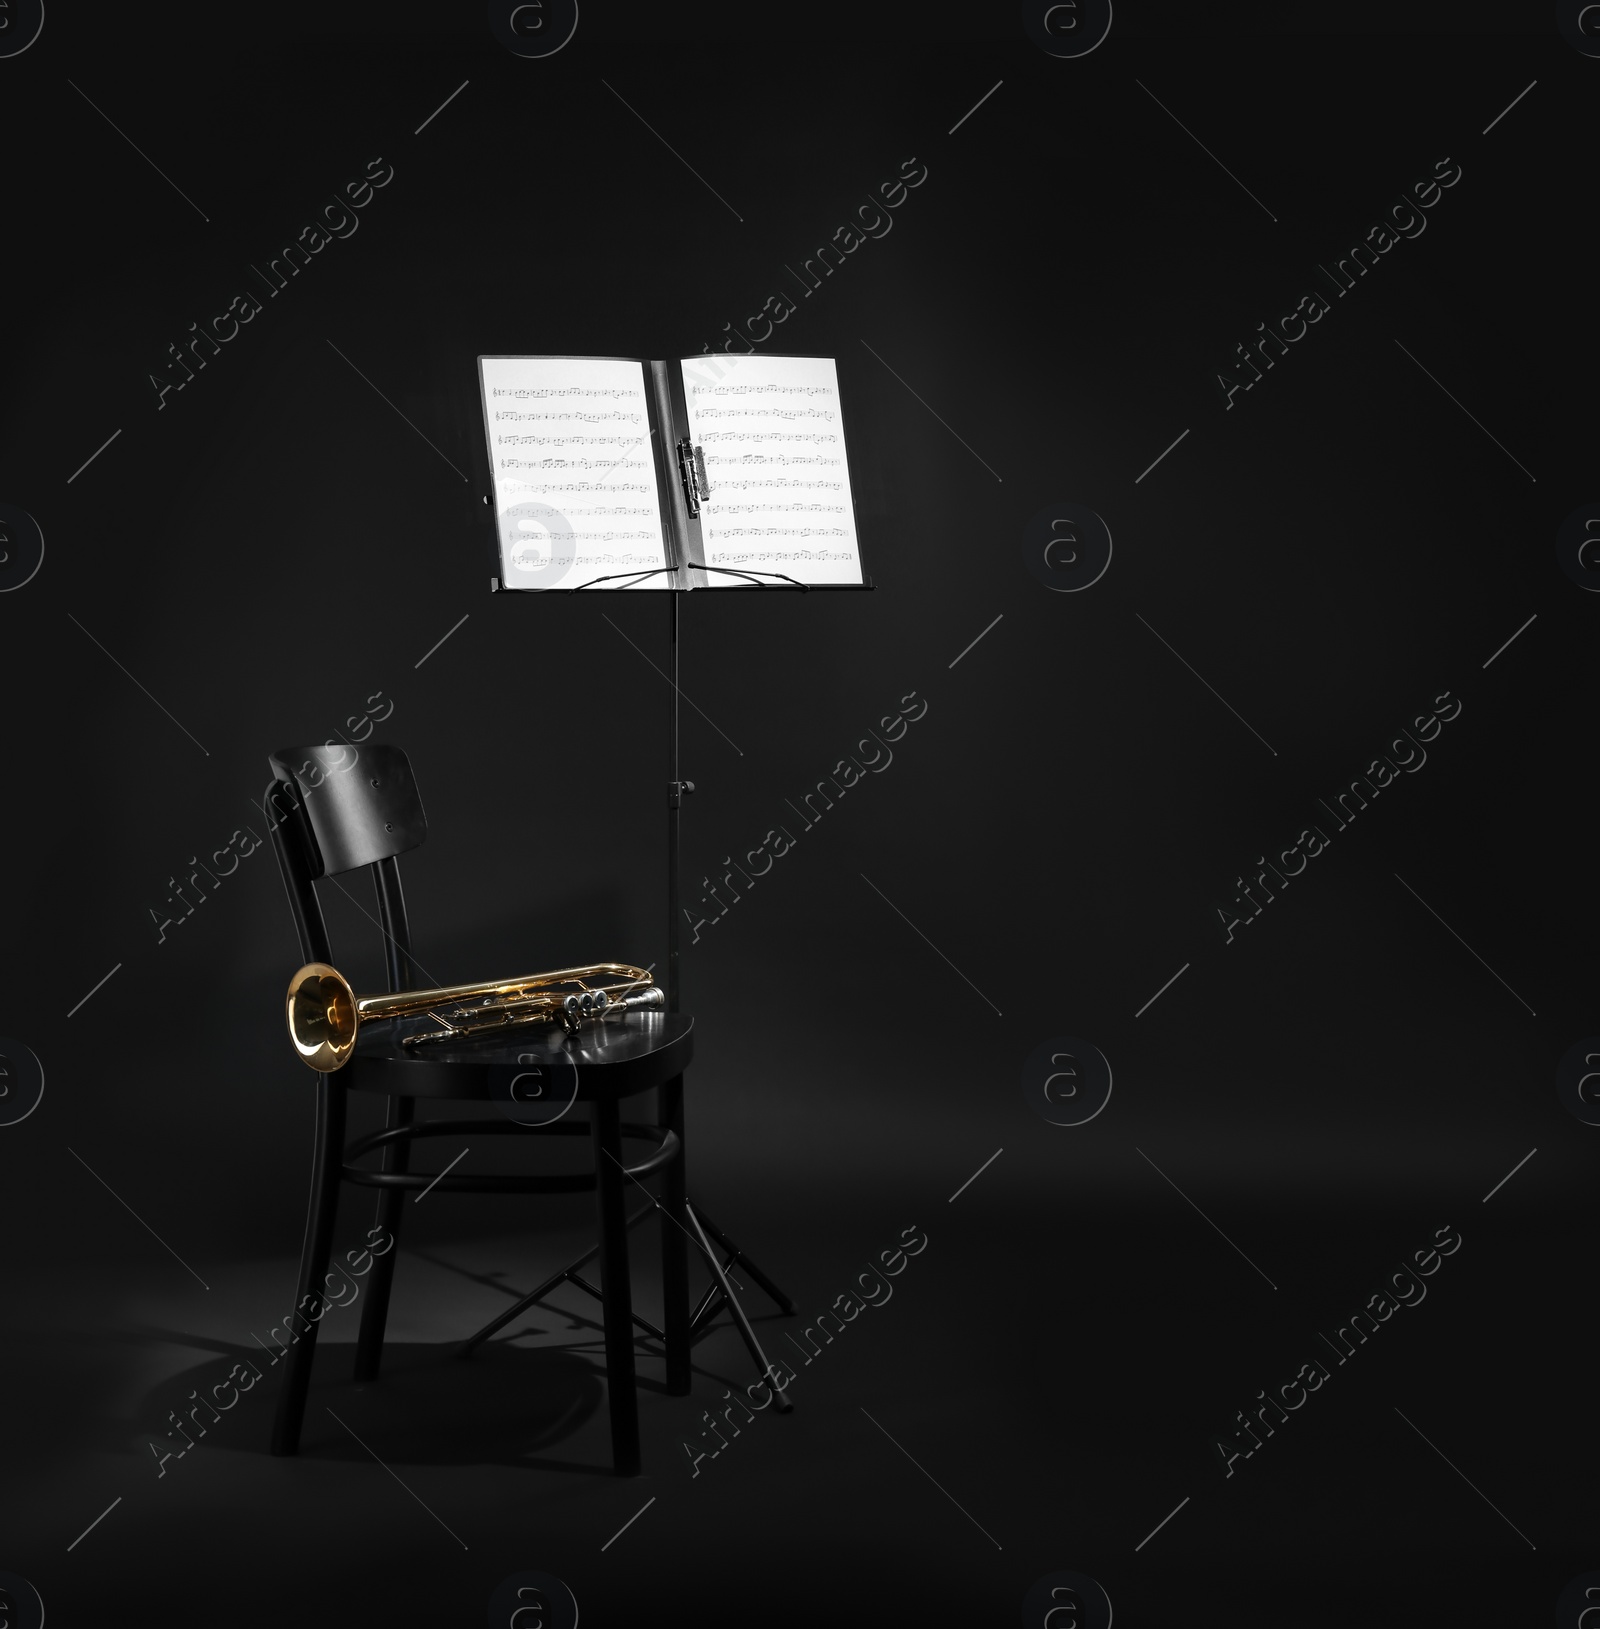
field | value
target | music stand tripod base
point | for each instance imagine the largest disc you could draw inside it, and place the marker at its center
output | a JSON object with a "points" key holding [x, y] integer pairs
{"points": [[721, 1294]]}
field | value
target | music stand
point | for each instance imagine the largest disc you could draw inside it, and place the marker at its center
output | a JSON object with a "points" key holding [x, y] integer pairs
{"points": [[667, 409]]}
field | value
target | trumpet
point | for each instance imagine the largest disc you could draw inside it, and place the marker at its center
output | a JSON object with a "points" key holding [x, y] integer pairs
{"points": [[326, 1015]]}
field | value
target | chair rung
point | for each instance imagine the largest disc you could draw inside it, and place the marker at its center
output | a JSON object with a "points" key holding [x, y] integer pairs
{"points": [[666, 1150]]}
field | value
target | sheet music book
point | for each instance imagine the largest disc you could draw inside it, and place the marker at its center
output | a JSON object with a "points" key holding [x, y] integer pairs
{"points": [[646, 474]]}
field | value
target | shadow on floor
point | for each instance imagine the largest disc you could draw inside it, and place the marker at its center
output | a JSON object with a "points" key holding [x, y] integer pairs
{"points": [[429, 1407]]}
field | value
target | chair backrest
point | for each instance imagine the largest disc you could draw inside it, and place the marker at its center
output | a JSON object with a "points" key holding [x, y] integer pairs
{"points": [[340, 808]]}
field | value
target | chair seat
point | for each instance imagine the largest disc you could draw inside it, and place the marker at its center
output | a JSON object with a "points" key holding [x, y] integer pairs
{"points": [[533, 1068]]}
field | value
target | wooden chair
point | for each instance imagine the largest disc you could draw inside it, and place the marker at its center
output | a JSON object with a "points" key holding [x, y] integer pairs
{"points": [[345, 808]]}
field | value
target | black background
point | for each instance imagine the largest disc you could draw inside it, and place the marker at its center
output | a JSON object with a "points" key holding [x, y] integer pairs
{"points": [[279, 542]]}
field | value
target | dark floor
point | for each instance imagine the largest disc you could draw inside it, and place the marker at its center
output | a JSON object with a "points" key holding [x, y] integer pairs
{"points": [[1039, 1391]]}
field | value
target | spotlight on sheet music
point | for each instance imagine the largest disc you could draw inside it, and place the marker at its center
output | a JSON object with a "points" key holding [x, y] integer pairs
{"points": [[21, 547], [21, 1087], [1066, 1081], [533, 1600], [1067, 547], [533, 28], [1067, 28], [668, 475], [1578, 541], [1066, 1600]]}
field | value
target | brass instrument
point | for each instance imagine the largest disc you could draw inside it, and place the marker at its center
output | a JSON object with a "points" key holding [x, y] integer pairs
{"points": [[326, 1015]]}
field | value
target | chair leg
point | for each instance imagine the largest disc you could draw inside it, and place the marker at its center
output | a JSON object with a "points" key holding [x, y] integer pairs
{"points": [[675, 1245], [616, 1294], [327, 1165], [391, 1203]]}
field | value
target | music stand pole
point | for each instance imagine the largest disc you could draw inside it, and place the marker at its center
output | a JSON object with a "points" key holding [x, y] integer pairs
{"points": [[677, 787], [675, 790]]}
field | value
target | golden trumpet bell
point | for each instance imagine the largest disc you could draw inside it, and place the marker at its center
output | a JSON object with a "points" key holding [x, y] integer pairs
{"points": [[322, 1016]]}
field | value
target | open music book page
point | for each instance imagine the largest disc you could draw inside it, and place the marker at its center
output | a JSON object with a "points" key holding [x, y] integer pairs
{"points": [[779, 484], [575, 485]]}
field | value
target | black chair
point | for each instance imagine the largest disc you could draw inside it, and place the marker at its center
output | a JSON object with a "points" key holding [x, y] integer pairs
{"points": [[342, 808]]}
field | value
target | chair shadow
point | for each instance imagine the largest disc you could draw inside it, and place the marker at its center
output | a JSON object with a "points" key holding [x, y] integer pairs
{"points": [[495, 1278], [428, 1407]]}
